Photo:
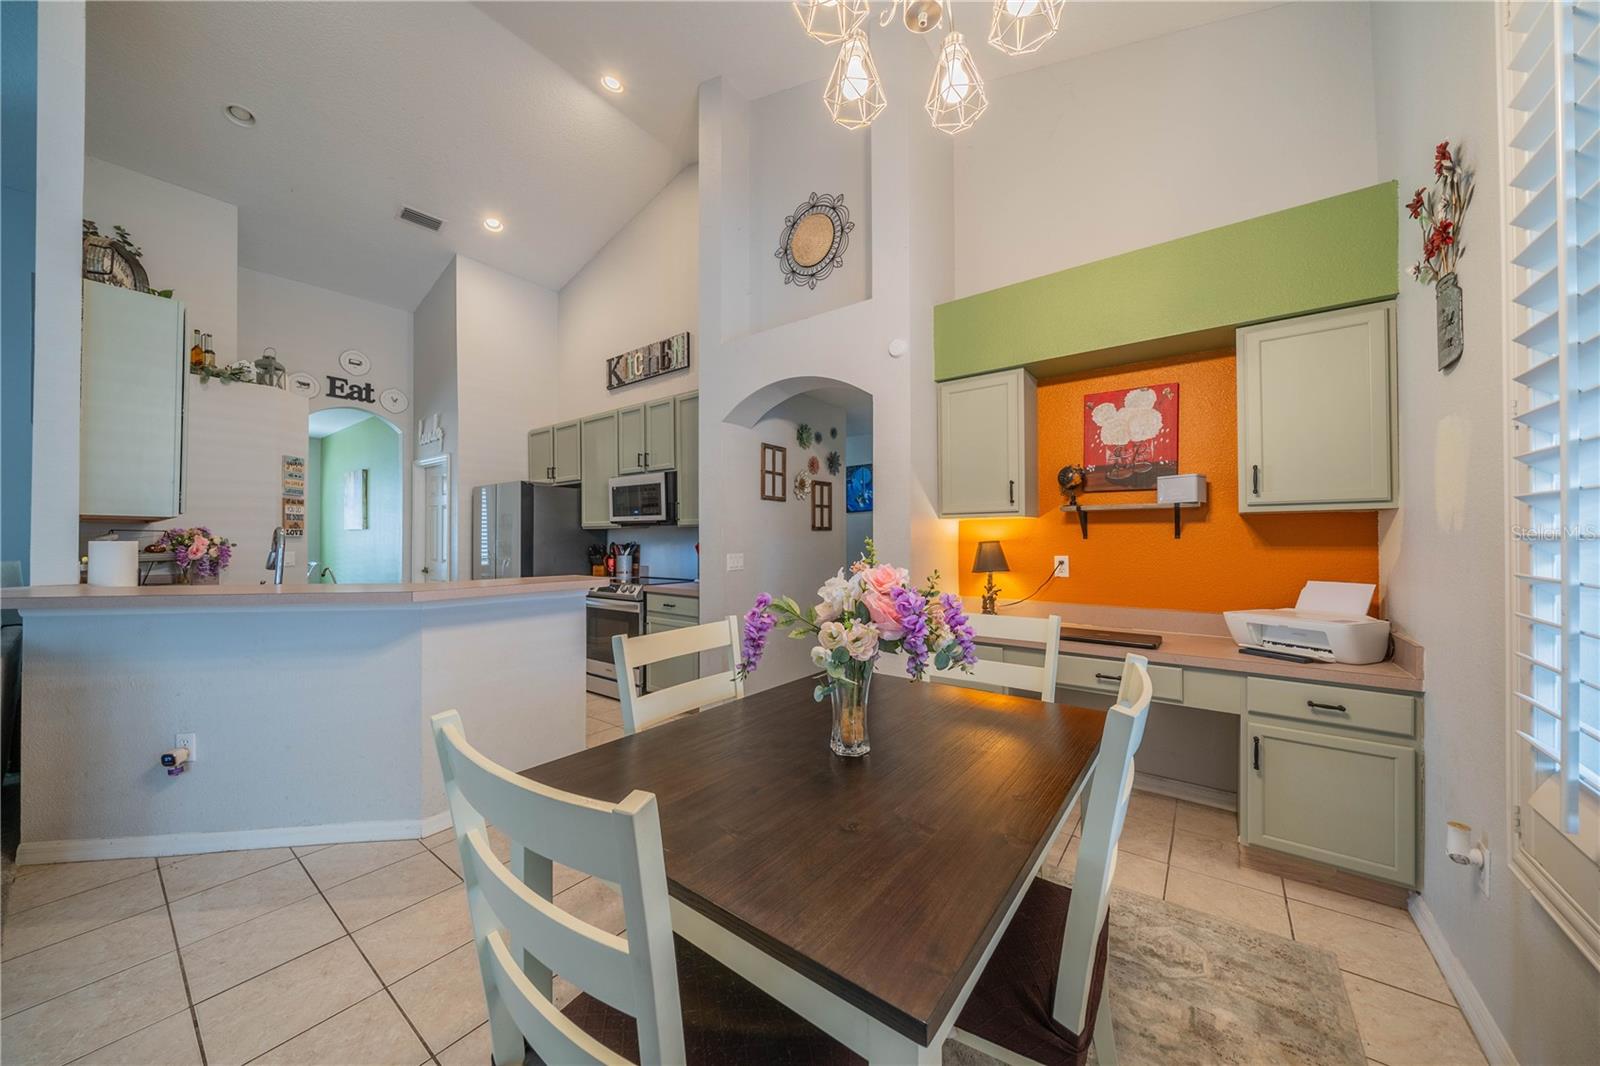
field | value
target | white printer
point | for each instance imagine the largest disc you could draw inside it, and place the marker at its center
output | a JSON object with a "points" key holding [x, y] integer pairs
{"points": [[1328, 622]]}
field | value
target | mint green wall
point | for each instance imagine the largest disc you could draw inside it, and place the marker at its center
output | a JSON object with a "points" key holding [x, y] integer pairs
{"points": [[371, 555], [1329, 253], [314, 501]]}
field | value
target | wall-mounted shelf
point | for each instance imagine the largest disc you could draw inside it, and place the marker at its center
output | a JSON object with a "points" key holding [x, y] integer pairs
{"points": [[1083, 511]]}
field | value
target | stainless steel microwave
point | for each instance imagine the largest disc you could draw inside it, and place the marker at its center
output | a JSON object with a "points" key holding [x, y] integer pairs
{"points": [[644, 499]]}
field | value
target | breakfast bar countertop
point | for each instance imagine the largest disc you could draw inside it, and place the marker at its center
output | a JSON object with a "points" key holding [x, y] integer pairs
{"points": [[53, 598]]}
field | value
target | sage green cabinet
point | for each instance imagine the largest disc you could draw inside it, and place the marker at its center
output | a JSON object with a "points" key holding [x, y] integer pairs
{"points": [[542, 456], [687, 420], [1334, 796], [630, 440], [1318, 412], [660, 434], [988, 445], [598, 439], [555, 454]]}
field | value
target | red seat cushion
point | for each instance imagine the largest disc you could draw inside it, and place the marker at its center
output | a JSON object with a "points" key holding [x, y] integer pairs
{"points": [[1011, 1003], [725, 1020]]}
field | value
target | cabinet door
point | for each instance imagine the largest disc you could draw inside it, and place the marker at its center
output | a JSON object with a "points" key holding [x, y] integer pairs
{"points": [[630, 440], [1333, 797], [567, 459], [669, 672], [131, 434], [688, 424], [598, 436], [1316, 412], [987, 445], [542, 456], [660, 435]]}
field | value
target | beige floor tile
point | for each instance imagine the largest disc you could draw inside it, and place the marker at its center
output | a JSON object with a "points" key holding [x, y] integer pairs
{"points": [[593, 725], [1135, 873], [200, 872], [1151, 805], [379, 894], [1400, 1027], [235, 955], [499, 844], [1394, 956], [563, 991], [169, 1042], [564, 877], [1219, 859], [371, 1033], [1058, 848], [75, 1024], [444, 999], [1147, 836], [1208, 821], [609, 711], [603, 736], [408, 940], [449, 854], [443, 836], [235, 902], [265, 1011], [309, 849], [1344, 904], [595, 902], [345, 862], [36, 885], [69, 964], [48, 923], [1264, 910], [473, 1049]]}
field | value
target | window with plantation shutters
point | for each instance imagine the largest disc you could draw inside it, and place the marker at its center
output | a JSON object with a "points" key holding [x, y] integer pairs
{"points": [[1552, 205]]}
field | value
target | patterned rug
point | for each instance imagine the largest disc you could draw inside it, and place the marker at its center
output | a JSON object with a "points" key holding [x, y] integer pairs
{"points": [[1188, 988]]}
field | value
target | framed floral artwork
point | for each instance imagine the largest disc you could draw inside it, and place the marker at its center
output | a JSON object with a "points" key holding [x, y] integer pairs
{"points": [[1130, 437]]}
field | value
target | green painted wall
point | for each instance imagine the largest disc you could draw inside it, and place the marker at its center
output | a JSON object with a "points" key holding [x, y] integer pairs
{"points": [[371, 555], [1330, 253]]}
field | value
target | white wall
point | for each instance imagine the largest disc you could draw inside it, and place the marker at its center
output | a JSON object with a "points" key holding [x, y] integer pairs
{"points": [[1115, 151], [641, 287], [435, 393], [190, 244], [1445, 547]]}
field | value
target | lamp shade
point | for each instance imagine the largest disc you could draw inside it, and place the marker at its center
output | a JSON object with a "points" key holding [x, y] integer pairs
{"points": [[990, 558]]}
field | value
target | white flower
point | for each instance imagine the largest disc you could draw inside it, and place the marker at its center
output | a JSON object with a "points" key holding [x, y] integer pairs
{"points": [[1115, 433], [1143, 423], [835, 595], [862, 641], [1137, 398], [1103, 413], [831, 635], [819, 658]]}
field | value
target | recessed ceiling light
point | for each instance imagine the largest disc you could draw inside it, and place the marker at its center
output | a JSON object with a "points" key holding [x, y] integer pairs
{"points": [[239, 115], [611, 83], [493, 225]]}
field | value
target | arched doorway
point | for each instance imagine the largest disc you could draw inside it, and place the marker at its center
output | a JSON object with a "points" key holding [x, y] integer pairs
{"points": [[355, 518]]}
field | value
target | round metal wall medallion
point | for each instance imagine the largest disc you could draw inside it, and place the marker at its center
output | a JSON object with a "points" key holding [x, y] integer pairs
{"points": [[355, 363], [814, 239], [393, 400], [303, 384]]}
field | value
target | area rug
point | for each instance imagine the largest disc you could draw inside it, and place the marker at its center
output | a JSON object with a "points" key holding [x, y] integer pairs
{"points": [[1188, 988]]}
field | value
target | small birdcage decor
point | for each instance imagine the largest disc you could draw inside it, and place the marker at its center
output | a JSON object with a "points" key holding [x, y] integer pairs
{"points": [[271, 372], [113, 260]]}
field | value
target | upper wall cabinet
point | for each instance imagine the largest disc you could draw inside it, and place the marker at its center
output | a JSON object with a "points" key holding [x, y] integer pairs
{"points": [[688, 448], [555, 455], [132, 404], [988, 446], [1317, 412], [599, 438], [542, 456], [630, 440], [660, 434]]}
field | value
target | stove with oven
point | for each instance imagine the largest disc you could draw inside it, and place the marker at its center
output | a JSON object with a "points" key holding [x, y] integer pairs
{"points": [[617, 608]]}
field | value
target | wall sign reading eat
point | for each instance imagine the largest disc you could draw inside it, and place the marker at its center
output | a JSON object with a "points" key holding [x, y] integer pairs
{"points": [[653, 360], [342, 389]]}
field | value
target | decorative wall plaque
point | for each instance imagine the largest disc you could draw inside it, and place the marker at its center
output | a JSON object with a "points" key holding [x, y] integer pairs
{"points": [[821, 506], [814, 239], [651, 361], [774, 472]]}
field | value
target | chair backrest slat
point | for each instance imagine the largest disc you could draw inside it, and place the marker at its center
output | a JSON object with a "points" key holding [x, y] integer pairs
{"points": [[639, 709], [549, 1032], [1040, 680], [1107, 808]]}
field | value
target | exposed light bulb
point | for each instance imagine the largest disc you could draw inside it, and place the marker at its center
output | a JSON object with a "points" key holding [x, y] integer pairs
{"points": [[830, 21], [854, 93], [956, 98], [1022, 26]]}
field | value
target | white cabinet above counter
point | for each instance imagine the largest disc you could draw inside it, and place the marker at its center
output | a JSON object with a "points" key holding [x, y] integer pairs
{"points": [[988, 446], [658, 435]]}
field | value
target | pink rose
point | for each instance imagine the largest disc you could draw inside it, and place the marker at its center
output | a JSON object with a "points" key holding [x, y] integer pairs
{"points": [[198, 547], [883, 579], [880, 608]]}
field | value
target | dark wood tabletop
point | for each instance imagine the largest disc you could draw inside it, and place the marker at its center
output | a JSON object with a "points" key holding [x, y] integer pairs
{"points": [[881, 878]]}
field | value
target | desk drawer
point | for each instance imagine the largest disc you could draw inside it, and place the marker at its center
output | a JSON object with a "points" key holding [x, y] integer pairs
{"points": [[669, 604], [1104, 675], [1381, 712]]}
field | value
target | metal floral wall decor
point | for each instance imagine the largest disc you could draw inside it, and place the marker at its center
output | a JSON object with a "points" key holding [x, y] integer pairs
{"points": [[1439, 212], [814, 239]]}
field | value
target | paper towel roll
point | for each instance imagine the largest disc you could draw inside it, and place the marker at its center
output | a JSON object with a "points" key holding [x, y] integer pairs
{"points": [[114, 562]]}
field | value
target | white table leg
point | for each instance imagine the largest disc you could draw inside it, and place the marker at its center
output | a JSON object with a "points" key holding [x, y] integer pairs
{"points": [[888, 1048]]}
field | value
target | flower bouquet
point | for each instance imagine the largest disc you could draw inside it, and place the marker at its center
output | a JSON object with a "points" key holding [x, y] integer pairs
{"points": [[871, 611], [1439, 212], [198, 555]]}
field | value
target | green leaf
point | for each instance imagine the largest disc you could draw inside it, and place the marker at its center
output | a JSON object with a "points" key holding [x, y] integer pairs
{"points": [[819, 693], [942, 660], [840, 656]]}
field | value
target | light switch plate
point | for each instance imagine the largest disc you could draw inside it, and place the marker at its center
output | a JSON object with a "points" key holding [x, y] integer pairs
{"points": [[736, 560], [186, 740]]}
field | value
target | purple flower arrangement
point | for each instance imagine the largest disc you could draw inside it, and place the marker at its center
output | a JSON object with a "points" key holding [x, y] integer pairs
{"points": [[196, 552]]}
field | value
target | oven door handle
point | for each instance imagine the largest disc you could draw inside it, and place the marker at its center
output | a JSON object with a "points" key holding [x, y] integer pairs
{"points": [[619, 606]]}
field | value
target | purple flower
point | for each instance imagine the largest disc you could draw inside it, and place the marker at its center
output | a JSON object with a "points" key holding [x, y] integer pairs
{"points": [[955, 618], [912, 612], [758, 622]]}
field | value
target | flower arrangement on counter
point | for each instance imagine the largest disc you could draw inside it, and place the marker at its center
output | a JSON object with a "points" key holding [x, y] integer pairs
{"points": [[874, 610], [197, 553]]}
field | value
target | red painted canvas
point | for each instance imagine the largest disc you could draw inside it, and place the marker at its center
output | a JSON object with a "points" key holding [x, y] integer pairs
{"points": [[1130, 437]]}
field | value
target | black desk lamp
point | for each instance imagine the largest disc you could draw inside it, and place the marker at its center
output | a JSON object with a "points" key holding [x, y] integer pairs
{"points": [[990, 559]]}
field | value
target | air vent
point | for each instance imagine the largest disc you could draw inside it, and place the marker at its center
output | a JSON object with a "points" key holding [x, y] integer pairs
{"points": [[412, 215]]}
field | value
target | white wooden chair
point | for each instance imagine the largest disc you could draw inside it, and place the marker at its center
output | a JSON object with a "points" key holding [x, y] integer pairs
{"points": [[1040, 680], [1001, 1017], [630, 1009], [639, 709]]}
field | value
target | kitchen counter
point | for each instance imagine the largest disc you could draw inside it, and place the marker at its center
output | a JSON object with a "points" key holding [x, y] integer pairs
{"points": [[690, 589], [41, 598]]}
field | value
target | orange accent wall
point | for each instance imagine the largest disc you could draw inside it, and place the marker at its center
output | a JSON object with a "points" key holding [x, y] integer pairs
{"points": [[1224, 560]]}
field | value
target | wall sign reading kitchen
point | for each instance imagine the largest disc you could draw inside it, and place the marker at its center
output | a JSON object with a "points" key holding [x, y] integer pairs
{"points": [[663, 357]]}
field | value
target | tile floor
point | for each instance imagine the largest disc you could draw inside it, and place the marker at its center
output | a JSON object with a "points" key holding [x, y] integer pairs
{"points": [[361, 953]]}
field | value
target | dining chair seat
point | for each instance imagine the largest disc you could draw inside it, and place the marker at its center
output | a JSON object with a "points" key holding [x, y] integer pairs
{"points": [[1011, 1005], [726, 1020]]}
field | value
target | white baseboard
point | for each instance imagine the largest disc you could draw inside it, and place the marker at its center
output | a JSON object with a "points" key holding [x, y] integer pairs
{"points": [[1490, 1038], [43, 851], [1184, 790]]}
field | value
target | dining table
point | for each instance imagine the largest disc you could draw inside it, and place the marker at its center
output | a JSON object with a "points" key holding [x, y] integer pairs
{"points": [[865, 894]]}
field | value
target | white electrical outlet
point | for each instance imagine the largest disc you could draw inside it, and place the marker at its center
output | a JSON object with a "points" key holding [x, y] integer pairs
{"points": [[1061, 566], [290, 557], [736, 561], [186, 740]]}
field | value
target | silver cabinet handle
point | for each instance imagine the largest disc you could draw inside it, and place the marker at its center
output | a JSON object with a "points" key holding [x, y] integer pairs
{"points": [[1331, 708]]}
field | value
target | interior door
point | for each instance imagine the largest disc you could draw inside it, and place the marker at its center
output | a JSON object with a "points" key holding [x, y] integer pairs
{"points": [[436, 522]]}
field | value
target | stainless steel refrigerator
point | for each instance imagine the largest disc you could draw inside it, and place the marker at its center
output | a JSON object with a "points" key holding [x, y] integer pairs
{"points": [[520, 529]]}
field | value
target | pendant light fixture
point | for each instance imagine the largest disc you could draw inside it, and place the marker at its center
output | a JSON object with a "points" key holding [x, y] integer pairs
{"points": [[831, 21], [1022, 26], [854, 94], [956, 98]]}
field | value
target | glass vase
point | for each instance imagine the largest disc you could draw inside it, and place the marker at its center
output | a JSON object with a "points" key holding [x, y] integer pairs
{"points": [[850, 694]]}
